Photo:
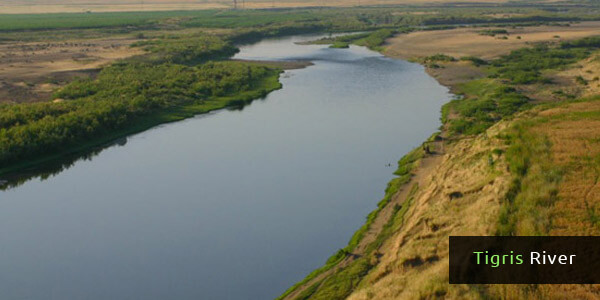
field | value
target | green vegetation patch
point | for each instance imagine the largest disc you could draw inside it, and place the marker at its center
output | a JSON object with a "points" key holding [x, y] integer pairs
{"points": [[372, 40], [340, 284], [475, 60], [188, 49], [439, 57], [123, 96], [376, 39], [589, 42], [534, 187], [493, 32], [525, 66], [488, 101], [79, 20], [527, 208], [249, 18]]}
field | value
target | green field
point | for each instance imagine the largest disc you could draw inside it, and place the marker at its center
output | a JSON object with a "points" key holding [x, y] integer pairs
{"points": [[333, 18]]}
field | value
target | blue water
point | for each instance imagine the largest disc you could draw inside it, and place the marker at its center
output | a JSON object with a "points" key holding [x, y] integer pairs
{"points": [[228, 205]]}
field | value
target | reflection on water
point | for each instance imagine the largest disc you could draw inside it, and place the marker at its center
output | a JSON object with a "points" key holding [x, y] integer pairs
{"points": [[54, 167], [235, 204]]}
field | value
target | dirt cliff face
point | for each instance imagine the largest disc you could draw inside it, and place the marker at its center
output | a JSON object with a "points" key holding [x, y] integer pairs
{"points": [[460, 195], [466, 190]]}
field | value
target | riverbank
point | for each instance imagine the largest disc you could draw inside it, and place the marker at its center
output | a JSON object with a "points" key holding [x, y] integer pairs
{"points": [[259, 89], [472, 176]]}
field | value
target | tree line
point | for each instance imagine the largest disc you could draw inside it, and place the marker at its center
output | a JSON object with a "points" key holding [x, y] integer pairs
{"points": [[122, 93]]}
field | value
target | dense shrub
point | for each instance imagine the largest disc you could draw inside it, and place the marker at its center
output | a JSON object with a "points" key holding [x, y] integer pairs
{"points": [[524, 66], [475, 60], [589, 42], [490, 103], [114, 100], [493, 32], [188, 49]]}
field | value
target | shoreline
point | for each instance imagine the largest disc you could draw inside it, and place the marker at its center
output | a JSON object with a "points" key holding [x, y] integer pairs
{"points": [[378, 218], [284, 65], [164, 117], [268, 84], [476, 167]]}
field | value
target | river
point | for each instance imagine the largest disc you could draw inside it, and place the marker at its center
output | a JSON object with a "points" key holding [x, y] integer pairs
{"points": [[235, 204]]}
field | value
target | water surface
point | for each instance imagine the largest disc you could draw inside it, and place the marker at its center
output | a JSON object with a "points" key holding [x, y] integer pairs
{"points": [[230, 205]]}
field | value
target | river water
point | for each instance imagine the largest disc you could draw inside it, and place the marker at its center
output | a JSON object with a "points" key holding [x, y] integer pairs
{"points": [[235, 204]]}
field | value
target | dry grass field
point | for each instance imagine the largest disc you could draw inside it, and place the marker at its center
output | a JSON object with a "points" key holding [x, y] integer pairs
{"points": [[40, 7], [55, 6], [463, 42], [575, 136], [470, 42], [29, 72]]}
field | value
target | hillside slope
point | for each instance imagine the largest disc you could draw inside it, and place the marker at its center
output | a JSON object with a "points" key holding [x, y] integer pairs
{"points": [[467, 194]]}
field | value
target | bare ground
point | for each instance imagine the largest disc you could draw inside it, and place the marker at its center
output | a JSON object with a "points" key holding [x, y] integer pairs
{"points": [[469, 42], [29, 72], [416, 256]]}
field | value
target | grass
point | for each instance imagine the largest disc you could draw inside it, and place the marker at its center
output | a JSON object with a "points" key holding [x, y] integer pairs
{"points": [[270, 22], [249, 18], [525, 66], [534, 186], [395, 222], [340, 284], [554, 160], [538, 178], [376, 39], [12, 22], [485, 102]]}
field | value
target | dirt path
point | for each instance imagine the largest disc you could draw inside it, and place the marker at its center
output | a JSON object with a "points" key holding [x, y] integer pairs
{"points": [[426, 166]]}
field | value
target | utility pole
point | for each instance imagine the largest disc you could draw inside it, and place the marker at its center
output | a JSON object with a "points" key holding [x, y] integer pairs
{"points": [[234, 4]]}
